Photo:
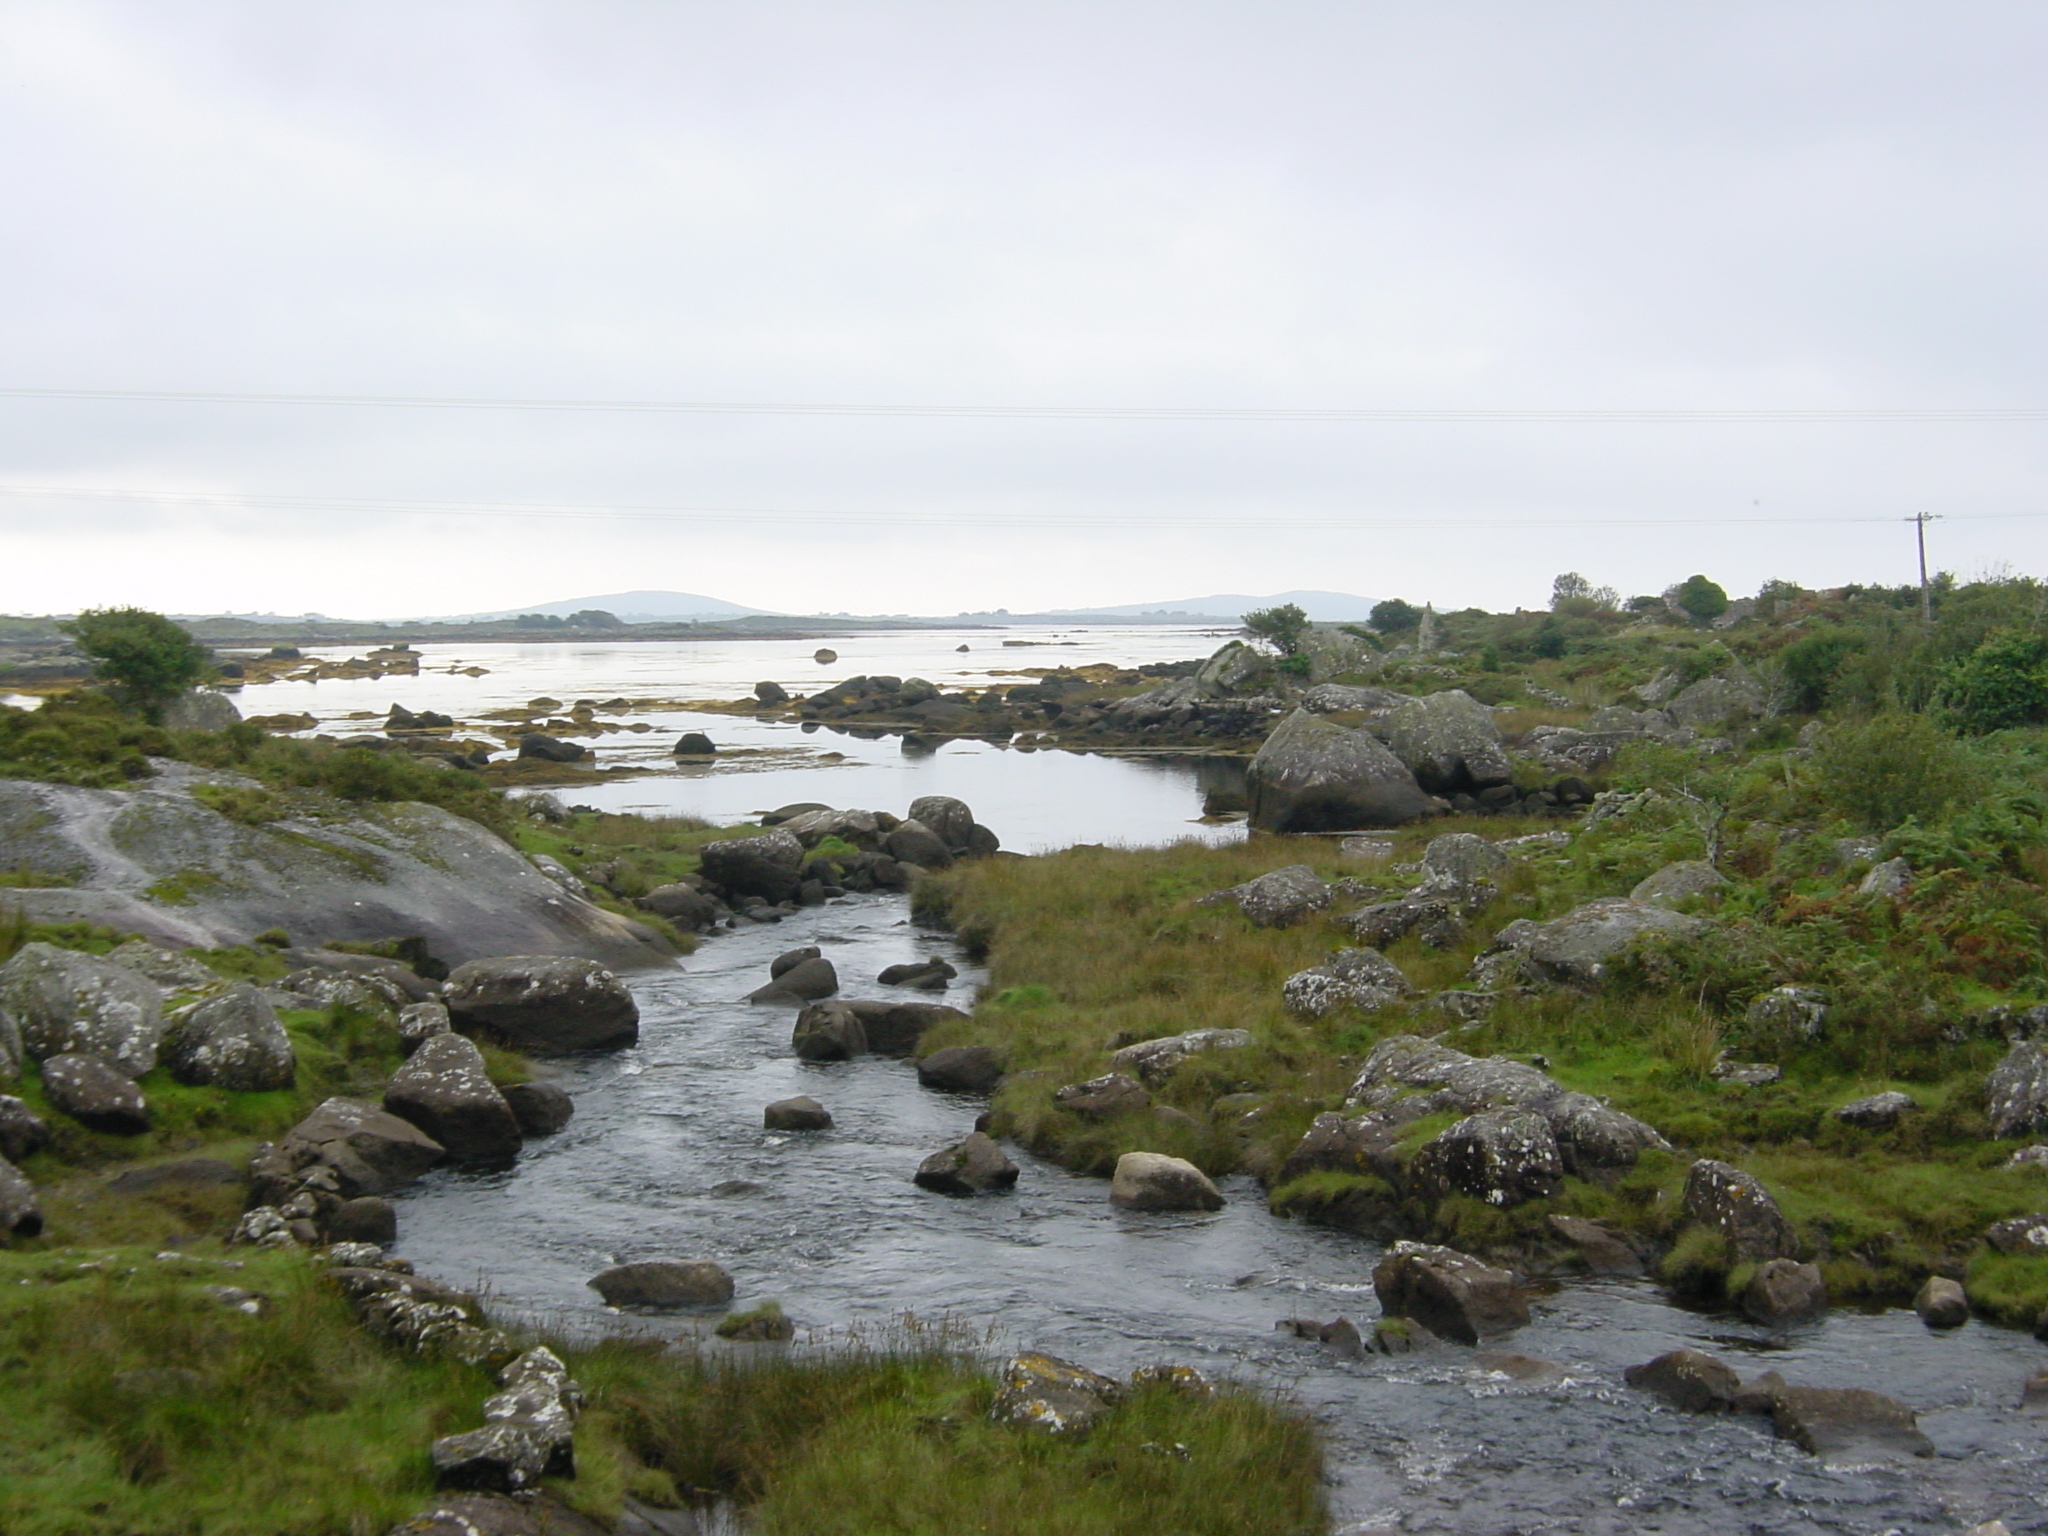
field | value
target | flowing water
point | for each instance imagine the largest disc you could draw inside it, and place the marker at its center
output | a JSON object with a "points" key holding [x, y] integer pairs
{"points": [[666, 1157]]}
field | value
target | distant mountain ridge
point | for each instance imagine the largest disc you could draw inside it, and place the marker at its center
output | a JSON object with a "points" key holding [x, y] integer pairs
{"points": [[1321, 607], [633, 607]]}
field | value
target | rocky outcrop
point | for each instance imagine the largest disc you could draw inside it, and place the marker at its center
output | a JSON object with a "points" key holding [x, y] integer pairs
{"points": [[2016, 1093], [544, 1003], [1577, 948], [528, 1432], [1717, 701], [968, 1167], [1687, 880], [1737, 1206], [1152, 1181], [1279, 898], [664, 1283], [232, 1041], [67, 1003], [1452, 1294], [1363, 979], [350, 1147], [95, 1095], [1155, 1060], [445, 1089], [1114, 1093], [1313, 775], [1449, 742], [154, 861], [766, 866]]}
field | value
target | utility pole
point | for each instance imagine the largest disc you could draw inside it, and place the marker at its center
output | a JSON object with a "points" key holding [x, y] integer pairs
{"points": [[1920, 520]]}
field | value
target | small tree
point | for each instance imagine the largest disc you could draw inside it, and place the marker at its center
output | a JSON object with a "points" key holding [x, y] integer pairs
{"points": [[1393, 616], [142, 658], [1568, 586], [1705, 600], [2002, 683], [1281, 627]]}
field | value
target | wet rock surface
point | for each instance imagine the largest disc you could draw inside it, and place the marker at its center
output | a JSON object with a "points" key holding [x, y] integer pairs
{"points": [[544, 1003]]}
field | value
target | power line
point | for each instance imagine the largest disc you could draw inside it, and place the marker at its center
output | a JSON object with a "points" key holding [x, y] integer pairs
{"points": [[646, 512], [1541, 416]]}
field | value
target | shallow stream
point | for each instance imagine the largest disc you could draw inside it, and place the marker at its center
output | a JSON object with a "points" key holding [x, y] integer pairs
{"points": [[836, 1232]]}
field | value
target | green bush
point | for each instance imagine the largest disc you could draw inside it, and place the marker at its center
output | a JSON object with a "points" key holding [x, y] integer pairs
{"points": [[2002, 683], [142, 659], [1882, 771]]}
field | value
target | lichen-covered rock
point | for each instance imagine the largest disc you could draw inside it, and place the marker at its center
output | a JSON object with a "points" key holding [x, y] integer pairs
{"points": [[20, 1214], [1449, 742], [1046, 1393], [1577, 948], [1113, 1093], [71, 1004], [232, 1040], [2019, 1234], [95, 1095], [1155, 1060], [1313, 775], [445, 1089], [766, 866], [2016, 1093], [1792, 1013], [1452, 1294], [664, 1283], [1888, 881], [1279, 898], [1679, 882], [1785, 1291], [1716, 701], [22, 1131], [171, 970], [420, 1022], [1463, 857], [528, 1433], [1502, 1156], [366, 1150], [1736, 1205], [1152, 1181], [1687, 1379], [1363, 979], [970, 1166], [544, 1003]]}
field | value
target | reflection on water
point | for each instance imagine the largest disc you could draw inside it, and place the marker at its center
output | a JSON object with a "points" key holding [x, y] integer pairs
{"points": [[1034, 800]]}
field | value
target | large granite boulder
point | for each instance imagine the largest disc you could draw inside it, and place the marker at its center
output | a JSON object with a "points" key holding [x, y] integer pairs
{"points": [[1716, 701], [544, 1003], [95, 1095], [1313, 775], [948, 819], [961, 1069], [1464, 858], [1737, 1205], [1051, 1395], [912, 842], [201, 709], [804, 980], [2016, 1093], [1784, 1291], [381, 871], [766, 866], [802, 1113], [1235, 669], [895, 1029], [828, 1032], [1279, 898], [366, 1151], [1449, 742], [1452, 1294], [445, 1089], [1679, 882], [66, 1003], [232, 1041], [1577, 948], [1152, 1181]]}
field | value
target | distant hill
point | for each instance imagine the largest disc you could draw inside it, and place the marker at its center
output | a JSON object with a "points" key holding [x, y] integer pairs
{"points": [[633, 607], [1321, 607]]}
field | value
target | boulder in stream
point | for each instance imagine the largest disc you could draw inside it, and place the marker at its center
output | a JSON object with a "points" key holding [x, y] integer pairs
{"points": [[1784, 1291], [1687, 1379], [802, 1113], [544, 1003], [541, 1108], [1152, 1181], [804, 980], [664, 1283], [968, 1167], [1942, 1303], [829, 1032], [1737, 1205], [445, 1089], [1452, 1294], [961, 1069], [766, 866]]}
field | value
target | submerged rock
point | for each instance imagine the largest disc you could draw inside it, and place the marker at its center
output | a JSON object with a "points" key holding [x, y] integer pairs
{"points": [[1687, 1379], [1847, 1423]]}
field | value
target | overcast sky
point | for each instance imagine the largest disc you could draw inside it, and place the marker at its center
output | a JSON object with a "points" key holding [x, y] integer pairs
{"points": [[1271, 205]]}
